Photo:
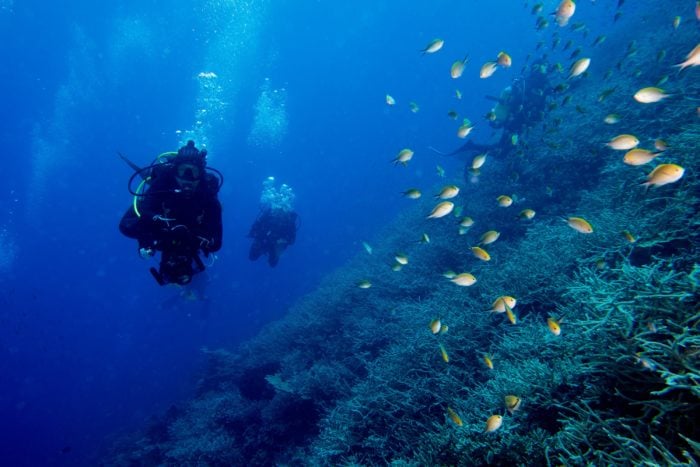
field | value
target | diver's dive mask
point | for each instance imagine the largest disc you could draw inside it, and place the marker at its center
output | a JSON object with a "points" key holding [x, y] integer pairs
{"points": [[189, 166], [188, 175]]}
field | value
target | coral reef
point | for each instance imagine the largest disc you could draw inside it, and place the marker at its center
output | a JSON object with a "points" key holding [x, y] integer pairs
{"points": [[355, 376]]}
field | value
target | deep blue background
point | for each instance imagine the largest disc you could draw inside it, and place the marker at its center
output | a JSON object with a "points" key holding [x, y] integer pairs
{"points": [[90, 346]]}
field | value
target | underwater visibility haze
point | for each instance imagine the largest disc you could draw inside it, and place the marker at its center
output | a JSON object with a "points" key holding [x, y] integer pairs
{"points": [[494, 248]]}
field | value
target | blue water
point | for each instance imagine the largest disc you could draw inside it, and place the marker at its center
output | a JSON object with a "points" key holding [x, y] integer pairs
{"points": [[90, 345]]}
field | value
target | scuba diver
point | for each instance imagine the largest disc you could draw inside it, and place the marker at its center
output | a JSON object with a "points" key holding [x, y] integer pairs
{"points": [[178, 214], [276, 226], [523, 102]]}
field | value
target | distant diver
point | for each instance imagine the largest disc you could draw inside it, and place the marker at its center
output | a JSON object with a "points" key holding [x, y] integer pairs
{"points": [[276, 226], [176, 211], [519, 105]]}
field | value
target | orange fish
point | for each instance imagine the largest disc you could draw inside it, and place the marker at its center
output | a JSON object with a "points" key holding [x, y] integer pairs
{"points": [[692, 59], [639, 156], [441, 210], [499, 306], [480, 253], [564, 12], [664, 174], [493, 423], [580, 224], [465, 279], [504, 60]]}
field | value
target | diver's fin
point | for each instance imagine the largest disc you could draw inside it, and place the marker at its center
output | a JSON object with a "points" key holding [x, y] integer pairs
{"points": [[157, 276], [132, 165]]}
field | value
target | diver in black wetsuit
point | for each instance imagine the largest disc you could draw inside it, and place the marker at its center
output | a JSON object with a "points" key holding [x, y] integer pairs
{"points": [[179, 214], [272, 232]]}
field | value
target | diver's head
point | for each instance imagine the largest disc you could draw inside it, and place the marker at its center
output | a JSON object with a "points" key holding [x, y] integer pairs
{"points": [[189, 166]]}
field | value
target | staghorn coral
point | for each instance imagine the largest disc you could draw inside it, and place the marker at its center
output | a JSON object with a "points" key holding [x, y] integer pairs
{"points": [[352, 376]]}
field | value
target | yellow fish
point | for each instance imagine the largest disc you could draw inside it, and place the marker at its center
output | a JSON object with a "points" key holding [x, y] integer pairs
{"points": [[499, 306], [512, 403], [435, 326], [464, 279], [504, 201], [404, 156], [390, 100], [413, 107], [612, 119], [664, 174], [454, 417], [433, 46], [464, 130], [441, 210], [478, 161], [490, 237], [488, 362], [650, 95], [466, 222], [579, 67], [639, 156], [364, 284], [628, 236], [401, 258], [448, 192], [412, 193], [457, 68], [692, 59], [623, 142], [527, 214], [564, 12], [676, 22], [493, 423], [487, 70], [580, 224], [443, 352], [553, 326], [481, 253], [510, 314]]}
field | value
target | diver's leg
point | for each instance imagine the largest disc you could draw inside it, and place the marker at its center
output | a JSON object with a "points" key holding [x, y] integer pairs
{"points": [[273, 258], [255, 251]]}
